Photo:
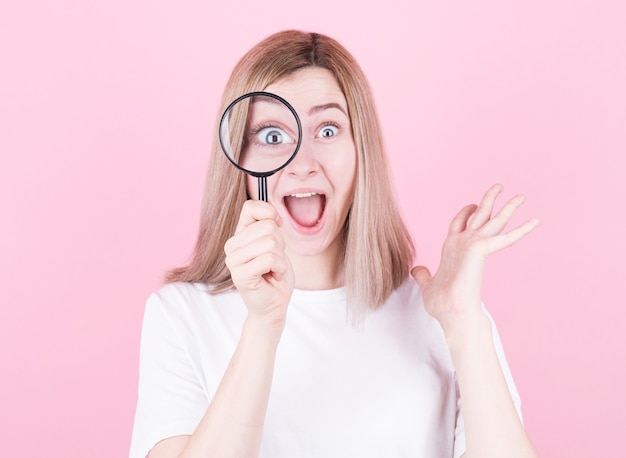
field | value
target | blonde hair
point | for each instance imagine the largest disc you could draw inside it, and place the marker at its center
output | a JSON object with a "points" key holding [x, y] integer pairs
{"points": [[378, 250]]}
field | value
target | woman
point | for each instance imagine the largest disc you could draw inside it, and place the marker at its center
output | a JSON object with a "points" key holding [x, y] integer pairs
{"points": [[296, 330]]}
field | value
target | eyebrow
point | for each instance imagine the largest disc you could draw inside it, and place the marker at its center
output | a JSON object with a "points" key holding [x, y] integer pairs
{"points": [[327, 106], [266, 99], [312, 111]]}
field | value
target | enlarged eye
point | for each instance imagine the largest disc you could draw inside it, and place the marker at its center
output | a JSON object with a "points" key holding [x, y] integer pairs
{"points": [[328, 131], [273, 136]]}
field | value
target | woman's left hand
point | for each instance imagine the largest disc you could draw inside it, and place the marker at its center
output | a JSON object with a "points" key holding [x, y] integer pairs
{"points": [[453, 294]]}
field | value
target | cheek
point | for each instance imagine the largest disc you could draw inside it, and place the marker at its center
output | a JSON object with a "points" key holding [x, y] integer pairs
{"points": [[345, 167], [344, 175], [252, 186]]}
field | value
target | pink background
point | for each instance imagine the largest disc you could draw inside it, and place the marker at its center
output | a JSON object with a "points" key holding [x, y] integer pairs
{"points": [[106, 111]]}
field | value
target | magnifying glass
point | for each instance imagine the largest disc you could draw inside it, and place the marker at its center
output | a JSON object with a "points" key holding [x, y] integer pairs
{"points": [[260, 133]]}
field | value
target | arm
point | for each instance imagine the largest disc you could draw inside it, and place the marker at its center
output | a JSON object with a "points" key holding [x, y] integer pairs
{"points": [[452, 296], [492, 424], [233, 423]]}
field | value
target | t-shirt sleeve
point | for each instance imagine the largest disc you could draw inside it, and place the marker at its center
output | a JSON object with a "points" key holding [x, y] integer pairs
{"points": [[171, 400], [459, 432]]}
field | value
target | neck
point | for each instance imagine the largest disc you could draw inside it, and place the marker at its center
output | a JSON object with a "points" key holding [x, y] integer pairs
{"points": [[319, 272]]}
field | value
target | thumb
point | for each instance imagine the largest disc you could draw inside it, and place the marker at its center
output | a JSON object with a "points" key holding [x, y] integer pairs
{"points": [[421, 275]]}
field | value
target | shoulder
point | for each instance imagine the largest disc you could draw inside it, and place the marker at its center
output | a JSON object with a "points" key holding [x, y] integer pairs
{"points": [[180, 292], [189, 295], [405, 308], [406, 299], [408, 290], [190, 303]]}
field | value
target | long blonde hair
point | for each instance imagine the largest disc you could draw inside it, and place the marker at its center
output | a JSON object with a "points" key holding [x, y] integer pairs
{"points": [[378, 250]]}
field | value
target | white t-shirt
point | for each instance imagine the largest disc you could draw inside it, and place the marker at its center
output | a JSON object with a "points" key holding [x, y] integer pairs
{"points": [[383, 389]]}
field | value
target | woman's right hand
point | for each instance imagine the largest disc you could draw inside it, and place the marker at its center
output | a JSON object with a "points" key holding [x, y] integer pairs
{"points": [[259, 267], [234, 420]]}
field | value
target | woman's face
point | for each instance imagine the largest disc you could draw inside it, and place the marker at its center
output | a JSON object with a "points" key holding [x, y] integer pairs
{"points": [[314, 192]]}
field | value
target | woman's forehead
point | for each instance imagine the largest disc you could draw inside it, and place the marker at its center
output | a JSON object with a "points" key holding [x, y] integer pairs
{"points": [[310, 90]]}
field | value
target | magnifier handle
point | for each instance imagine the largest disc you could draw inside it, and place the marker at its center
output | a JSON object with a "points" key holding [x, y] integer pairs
{"points": [[263, 188]]}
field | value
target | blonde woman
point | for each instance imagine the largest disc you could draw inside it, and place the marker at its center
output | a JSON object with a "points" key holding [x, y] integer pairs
{"points": [[297, 330]]}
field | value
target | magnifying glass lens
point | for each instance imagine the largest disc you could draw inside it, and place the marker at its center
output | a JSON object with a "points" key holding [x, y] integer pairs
{"points": [[259, 134]]}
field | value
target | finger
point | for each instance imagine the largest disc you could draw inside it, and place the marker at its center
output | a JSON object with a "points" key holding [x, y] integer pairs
{"points": [[501, 241], [270, 243], [421, 275], [280, 269], [250, 274], [483, 213], [459, 222], [255, 210], [497, 224], [250, 233]]}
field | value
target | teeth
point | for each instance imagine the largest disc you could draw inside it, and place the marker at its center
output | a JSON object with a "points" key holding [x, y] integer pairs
{"points": [[301, 195]]}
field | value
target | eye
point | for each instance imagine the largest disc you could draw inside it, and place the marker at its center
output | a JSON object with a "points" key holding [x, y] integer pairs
{"points": [[273, 136], [328, 131]]}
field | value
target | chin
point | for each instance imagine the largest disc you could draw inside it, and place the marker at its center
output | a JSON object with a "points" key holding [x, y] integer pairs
{"points": [[313, 245]]}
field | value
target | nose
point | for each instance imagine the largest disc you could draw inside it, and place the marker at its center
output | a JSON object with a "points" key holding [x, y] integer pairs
{"points": [[305, 163]]}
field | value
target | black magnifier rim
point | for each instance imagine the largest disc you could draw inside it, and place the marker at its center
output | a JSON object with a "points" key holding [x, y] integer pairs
{"points": [[284, 102]]}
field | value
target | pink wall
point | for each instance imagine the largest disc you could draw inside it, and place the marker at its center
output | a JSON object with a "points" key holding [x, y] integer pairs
{"points": [[106, 110]]}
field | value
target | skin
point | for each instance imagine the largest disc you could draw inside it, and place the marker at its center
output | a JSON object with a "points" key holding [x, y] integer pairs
{"points": [[324, 164], [452, 295], [268, 256]]}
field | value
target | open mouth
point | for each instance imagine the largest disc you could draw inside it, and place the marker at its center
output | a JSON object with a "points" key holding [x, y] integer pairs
{"points": [[305, 208]]}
